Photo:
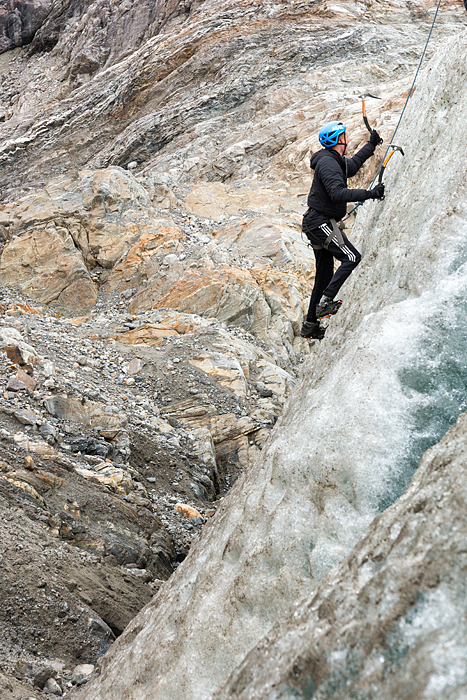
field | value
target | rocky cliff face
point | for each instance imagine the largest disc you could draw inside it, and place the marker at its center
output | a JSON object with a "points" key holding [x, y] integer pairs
{"points": [[226, 92], [88, 36], [19, 21], [154, 280], [383, 383]]}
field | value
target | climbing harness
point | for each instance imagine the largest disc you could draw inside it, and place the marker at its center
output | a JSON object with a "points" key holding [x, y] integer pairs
{"points": [[385, 160], [336, 233], [365, 118]]}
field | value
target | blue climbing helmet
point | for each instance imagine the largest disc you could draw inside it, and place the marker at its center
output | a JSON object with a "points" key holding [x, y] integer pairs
{"points": [[329, 134]]}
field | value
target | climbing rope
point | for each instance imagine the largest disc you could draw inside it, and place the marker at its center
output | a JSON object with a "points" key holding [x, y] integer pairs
{"points": [[405, 105], [415, 78]]}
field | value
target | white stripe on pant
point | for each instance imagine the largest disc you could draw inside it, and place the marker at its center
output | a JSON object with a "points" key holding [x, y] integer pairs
{"points": [[327, 230]]}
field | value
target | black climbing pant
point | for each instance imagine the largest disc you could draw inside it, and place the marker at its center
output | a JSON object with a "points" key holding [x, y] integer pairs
{"points": [[327, 281]]}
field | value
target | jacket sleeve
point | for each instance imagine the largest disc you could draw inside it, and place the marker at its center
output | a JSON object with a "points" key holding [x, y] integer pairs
{"points": [[332, 178], [354, 164]]}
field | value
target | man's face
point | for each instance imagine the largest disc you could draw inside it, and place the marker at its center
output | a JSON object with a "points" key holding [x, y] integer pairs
{"points": [[343, 141]]}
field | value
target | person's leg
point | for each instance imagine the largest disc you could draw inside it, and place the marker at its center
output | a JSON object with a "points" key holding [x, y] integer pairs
{"points": [[323, 275], [349, 258]]}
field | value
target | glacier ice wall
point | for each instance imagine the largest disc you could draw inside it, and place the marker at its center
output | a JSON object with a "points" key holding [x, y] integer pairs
{"points": [[391, 620], [386, 383]]}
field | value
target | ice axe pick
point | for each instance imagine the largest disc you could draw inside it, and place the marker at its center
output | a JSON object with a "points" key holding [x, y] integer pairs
{"points": [[387, 159], [365, 118]]}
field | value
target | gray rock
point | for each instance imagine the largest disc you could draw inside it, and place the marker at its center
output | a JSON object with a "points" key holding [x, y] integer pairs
{"points": [[27, 417], [64, 608], [197, 490], [87, 446], [67, 409], [125, 28], [52, 687], [48, 368], [170, 259], [263, 389], [104, 634], [5, 684], [20, 20], [49, 430], [89, 413], [42, 675], [82, 672], [15, 384]]}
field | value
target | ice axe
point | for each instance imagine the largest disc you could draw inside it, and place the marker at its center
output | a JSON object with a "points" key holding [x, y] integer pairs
{"points": [[365, 118], [387, 159]]}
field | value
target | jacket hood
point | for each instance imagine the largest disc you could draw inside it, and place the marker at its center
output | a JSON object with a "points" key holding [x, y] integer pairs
{"points": [[323, 153]]}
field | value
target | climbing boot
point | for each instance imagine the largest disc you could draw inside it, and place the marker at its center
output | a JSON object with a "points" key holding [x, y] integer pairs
{"points": [[328, 307], [312, 330]]}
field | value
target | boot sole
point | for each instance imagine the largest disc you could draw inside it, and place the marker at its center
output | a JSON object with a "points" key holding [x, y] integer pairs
{"points": [[326, 314]]}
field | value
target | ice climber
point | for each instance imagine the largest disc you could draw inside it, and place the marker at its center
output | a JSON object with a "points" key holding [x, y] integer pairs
{"points": [[327, 204]]}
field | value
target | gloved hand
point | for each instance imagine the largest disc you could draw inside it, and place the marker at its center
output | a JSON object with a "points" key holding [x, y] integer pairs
{"points": [[375, 138], [377, 192]]}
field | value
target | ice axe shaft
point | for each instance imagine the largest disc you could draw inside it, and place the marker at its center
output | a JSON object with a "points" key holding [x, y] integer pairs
{"points": [[387, 159], [365, 118]]}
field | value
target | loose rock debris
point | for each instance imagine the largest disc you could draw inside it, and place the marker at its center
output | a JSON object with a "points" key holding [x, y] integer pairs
{"points": [[112, 457]]}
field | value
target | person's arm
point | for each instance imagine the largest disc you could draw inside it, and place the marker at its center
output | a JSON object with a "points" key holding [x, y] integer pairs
{"points": [[330, 174], [354, 164]]}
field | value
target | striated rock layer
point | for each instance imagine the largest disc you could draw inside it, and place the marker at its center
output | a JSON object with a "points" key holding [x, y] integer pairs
{"points": [[385, 384], [227, 91]]}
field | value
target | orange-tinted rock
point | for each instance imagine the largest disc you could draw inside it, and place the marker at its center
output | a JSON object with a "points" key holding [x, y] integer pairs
{"points": [[21, 354], [228, 294], [150, 334], [26, 378], [64, 230], [215, 199], [139, 263], [188, 511], [225, 368], [29, 463], [44, 264], [14, 354]]}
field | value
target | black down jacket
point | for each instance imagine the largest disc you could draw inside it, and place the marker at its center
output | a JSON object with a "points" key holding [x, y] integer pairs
{"points": [[329, 193]]}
